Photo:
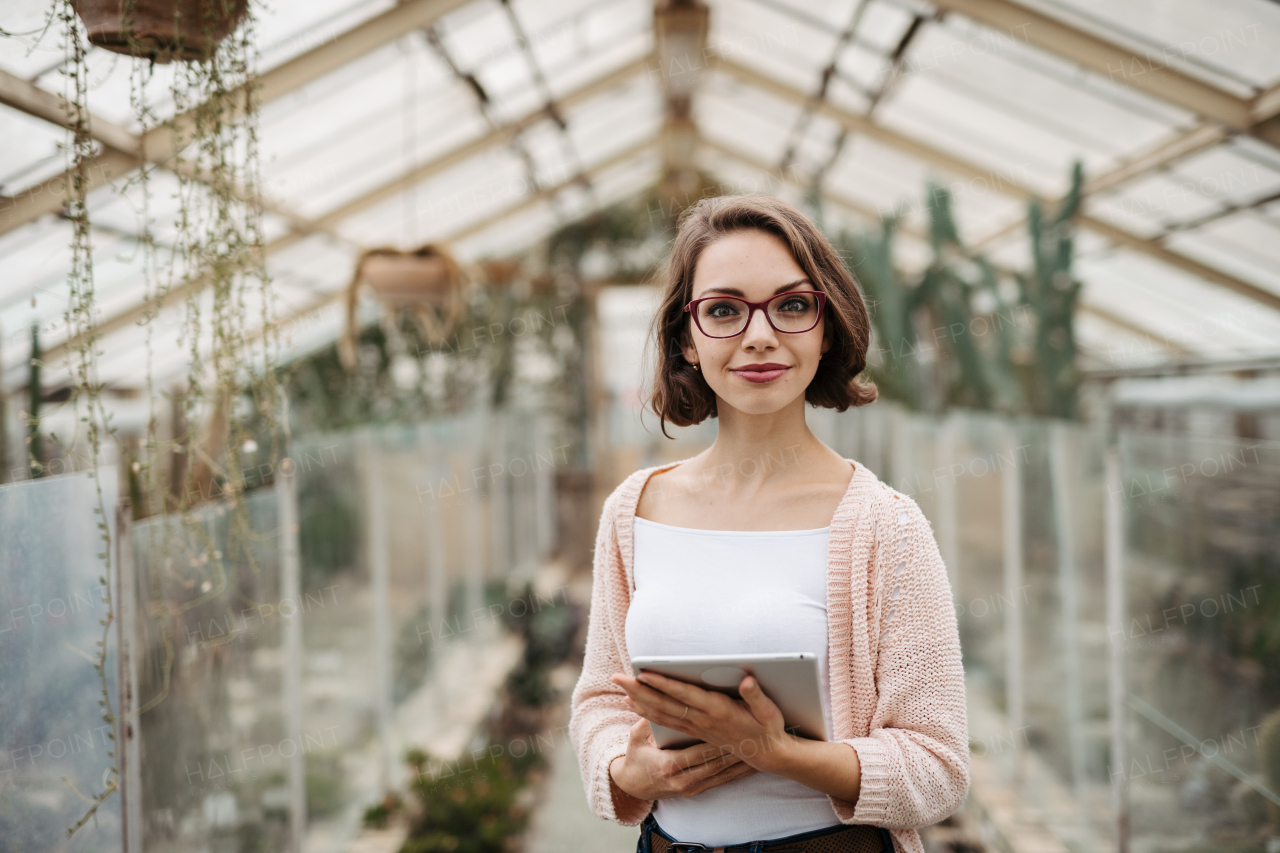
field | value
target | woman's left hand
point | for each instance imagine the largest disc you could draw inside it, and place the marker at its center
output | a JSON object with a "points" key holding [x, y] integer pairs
{"points": [[750, 728]]}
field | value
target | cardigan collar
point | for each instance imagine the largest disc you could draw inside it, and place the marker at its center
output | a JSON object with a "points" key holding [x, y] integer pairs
{"points": [[851, 508]]}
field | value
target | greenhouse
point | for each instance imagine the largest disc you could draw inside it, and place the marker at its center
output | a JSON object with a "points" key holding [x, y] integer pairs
{"points": [[339, 339]]}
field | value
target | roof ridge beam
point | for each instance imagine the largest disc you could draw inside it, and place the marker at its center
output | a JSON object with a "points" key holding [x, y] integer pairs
{"points": [[328, 221]]}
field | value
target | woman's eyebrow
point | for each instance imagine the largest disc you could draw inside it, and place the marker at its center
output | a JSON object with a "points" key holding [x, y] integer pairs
{"points": [[733, 291]]}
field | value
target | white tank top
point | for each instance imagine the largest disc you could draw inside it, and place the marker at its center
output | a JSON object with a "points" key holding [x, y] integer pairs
{"points": [[733, 592]]}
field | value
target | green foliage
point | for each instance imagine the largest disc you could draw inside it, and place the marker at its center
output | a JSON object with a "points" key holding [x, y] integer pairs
{"points": [[996, 351], [1052, 293], [324, 785], [478, 362], [548, 628], [329, 531], [891, 305], [379, 815], [468, 808]]}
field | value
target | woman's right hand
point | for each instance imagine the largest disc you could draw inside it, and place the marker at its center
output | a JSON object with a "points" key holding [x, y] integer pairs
{"points": [[647, 772]]}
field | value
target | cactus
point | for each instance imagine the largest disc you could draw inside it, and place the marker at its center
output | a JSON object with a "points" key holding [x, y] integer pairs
{"points": [[986, 373], [891, 305], [1052, 293], [951, 284]]}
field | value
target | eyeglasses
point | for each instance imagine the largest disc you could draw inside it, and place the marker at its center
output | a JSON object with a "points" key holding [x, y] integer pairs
{"points": [[791, 313]]}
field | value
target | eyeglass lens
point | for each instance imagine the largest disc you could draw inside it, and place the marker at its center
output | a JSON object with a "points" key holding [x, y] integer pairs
{"points": [[789, 312]]}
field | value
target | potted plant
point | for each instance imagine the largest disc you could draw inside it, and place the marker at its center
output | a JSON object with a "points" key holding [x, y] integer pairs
{"points": [[160, 30], [427, 282]]}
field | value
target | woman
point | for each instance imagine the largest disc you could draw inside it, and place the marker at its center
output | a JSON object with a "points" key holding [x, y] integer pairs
{"points": [[768, 541]]}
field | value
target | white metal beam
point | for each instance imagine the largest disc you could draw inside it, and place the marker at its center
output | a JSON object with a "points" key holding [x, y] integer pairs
{"points": [[163, 143], [1202, 136], [865, 211], [493, 219], [329, 222]]}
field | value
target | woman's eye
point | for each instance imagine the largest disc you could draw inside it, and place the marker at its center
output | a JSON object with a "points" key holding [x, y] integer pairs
{"points": [[796, 304], [722, 309]]}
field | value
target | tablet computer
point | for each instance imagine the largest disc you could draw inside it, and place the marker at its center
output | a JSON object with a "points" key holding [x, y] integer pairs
{"points": [[791, 680]]}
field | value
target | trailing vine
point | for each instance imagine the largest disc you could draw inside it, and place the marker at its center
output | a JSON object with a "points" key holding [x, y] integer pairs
{"points": [[217, 257], [81, 328]]}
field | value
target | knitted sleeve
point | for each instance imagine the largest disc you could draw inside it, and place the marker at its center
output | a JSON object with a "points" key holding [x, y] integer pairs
{"points": [[599, 723], [915, 759]]}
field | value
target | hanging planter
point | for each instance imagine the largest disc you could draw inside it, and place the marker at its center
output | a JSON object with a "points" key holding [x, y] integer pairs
{"points": [[427, 282], [160, 30]]}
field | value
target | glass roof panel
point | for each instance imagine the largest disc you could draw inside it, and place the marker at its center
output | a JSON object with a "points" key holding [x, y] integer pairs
{"points": [[29, 152], [1245, 245], [290, 28], [989, 98], [605, 58], [770, 43], [861, 69], [836, 15], [1237, 39], [884, 24], [1209, 320], [1226, 177]]}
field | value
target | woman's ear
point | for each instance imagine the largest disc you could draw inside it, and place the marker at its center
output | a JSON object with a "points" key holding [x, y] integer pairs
{"points": [[689, 352]]}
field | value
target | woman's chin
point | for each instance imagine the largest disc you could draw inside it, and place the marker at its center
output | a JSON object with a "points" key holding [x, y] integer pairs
{"points": [[762, 402]]}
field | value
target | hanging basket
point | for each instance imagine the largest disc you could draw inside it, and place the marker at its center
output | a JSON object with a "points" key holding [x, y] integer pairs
{"points": [[160, 30], [427, 282]]}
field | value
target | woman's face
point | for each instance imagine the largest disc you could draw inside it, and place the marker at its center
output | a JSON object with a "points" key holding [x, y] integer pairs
{"points": [[754, 265]]}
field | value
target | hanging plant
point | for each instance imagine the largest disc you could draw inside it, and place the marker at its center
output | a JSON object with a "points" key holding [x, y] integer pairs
{"points": [[216, 256], [427, 283], [160, 30]]}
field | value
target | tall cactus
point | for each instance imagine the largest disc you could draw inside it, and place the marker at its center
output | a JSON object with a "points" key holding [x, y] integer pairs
{"points": [[951, 284], [891, 305], [979, 367], [1052, 293]]}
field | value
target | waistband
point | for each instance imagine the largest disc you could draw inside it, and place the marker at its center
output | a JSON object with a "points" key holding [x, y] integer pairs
{"points": [[841, 838]]}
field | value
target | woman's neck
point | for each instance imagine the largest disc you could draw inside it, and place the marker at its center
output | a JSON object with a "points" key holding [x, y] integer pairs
{"points": [[760, 449]]}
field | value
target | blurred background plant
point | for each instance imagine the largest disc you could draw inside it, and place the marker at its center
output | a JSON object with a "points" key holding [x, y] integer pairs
{"points": [[965, 333], [469, 806]]}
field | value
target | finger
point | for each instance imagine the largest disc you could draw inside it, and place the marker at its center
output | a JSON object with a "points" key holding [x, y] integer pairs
{"points": [[647, 697], [679, 780], [761, 706], [650, 710], [700, 753], [641, 732], [689, 694], [729, 774], [709, 760], [630, 685]]}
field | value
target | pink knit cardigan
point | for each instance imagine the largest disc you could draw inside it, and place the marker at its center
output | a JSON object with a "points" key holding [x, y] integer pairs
{"points": [[897, 685]]}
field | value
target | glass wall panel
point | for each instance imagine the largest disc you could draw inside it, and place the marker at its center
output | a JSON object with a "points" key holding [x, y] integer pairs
{"points": [[57, 747]]}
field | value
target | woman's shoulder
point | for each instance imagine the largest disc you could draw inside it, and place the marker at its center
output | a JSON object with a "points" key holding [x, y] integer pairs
{"points": [[887, 505], [627, 493]]}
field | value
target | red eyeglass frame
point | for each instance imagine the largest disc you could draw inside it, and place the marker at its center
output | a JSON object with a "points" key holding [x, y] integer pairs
{"points": [[763, 306]]}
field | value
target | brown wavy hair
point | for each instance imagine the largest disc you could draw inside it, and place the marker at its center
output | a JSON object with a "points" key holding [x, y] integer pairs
{"points": [[681, 394]]}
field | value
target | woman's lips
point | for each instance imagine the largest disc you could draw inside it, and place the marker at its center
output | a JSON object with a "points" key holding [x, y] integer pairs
{"points": [[761, 376]]}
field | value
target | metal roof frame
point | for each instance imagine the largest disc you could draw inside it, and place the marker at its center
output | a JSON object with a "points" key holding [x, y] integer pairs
{"points": [[1219, 116]]}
